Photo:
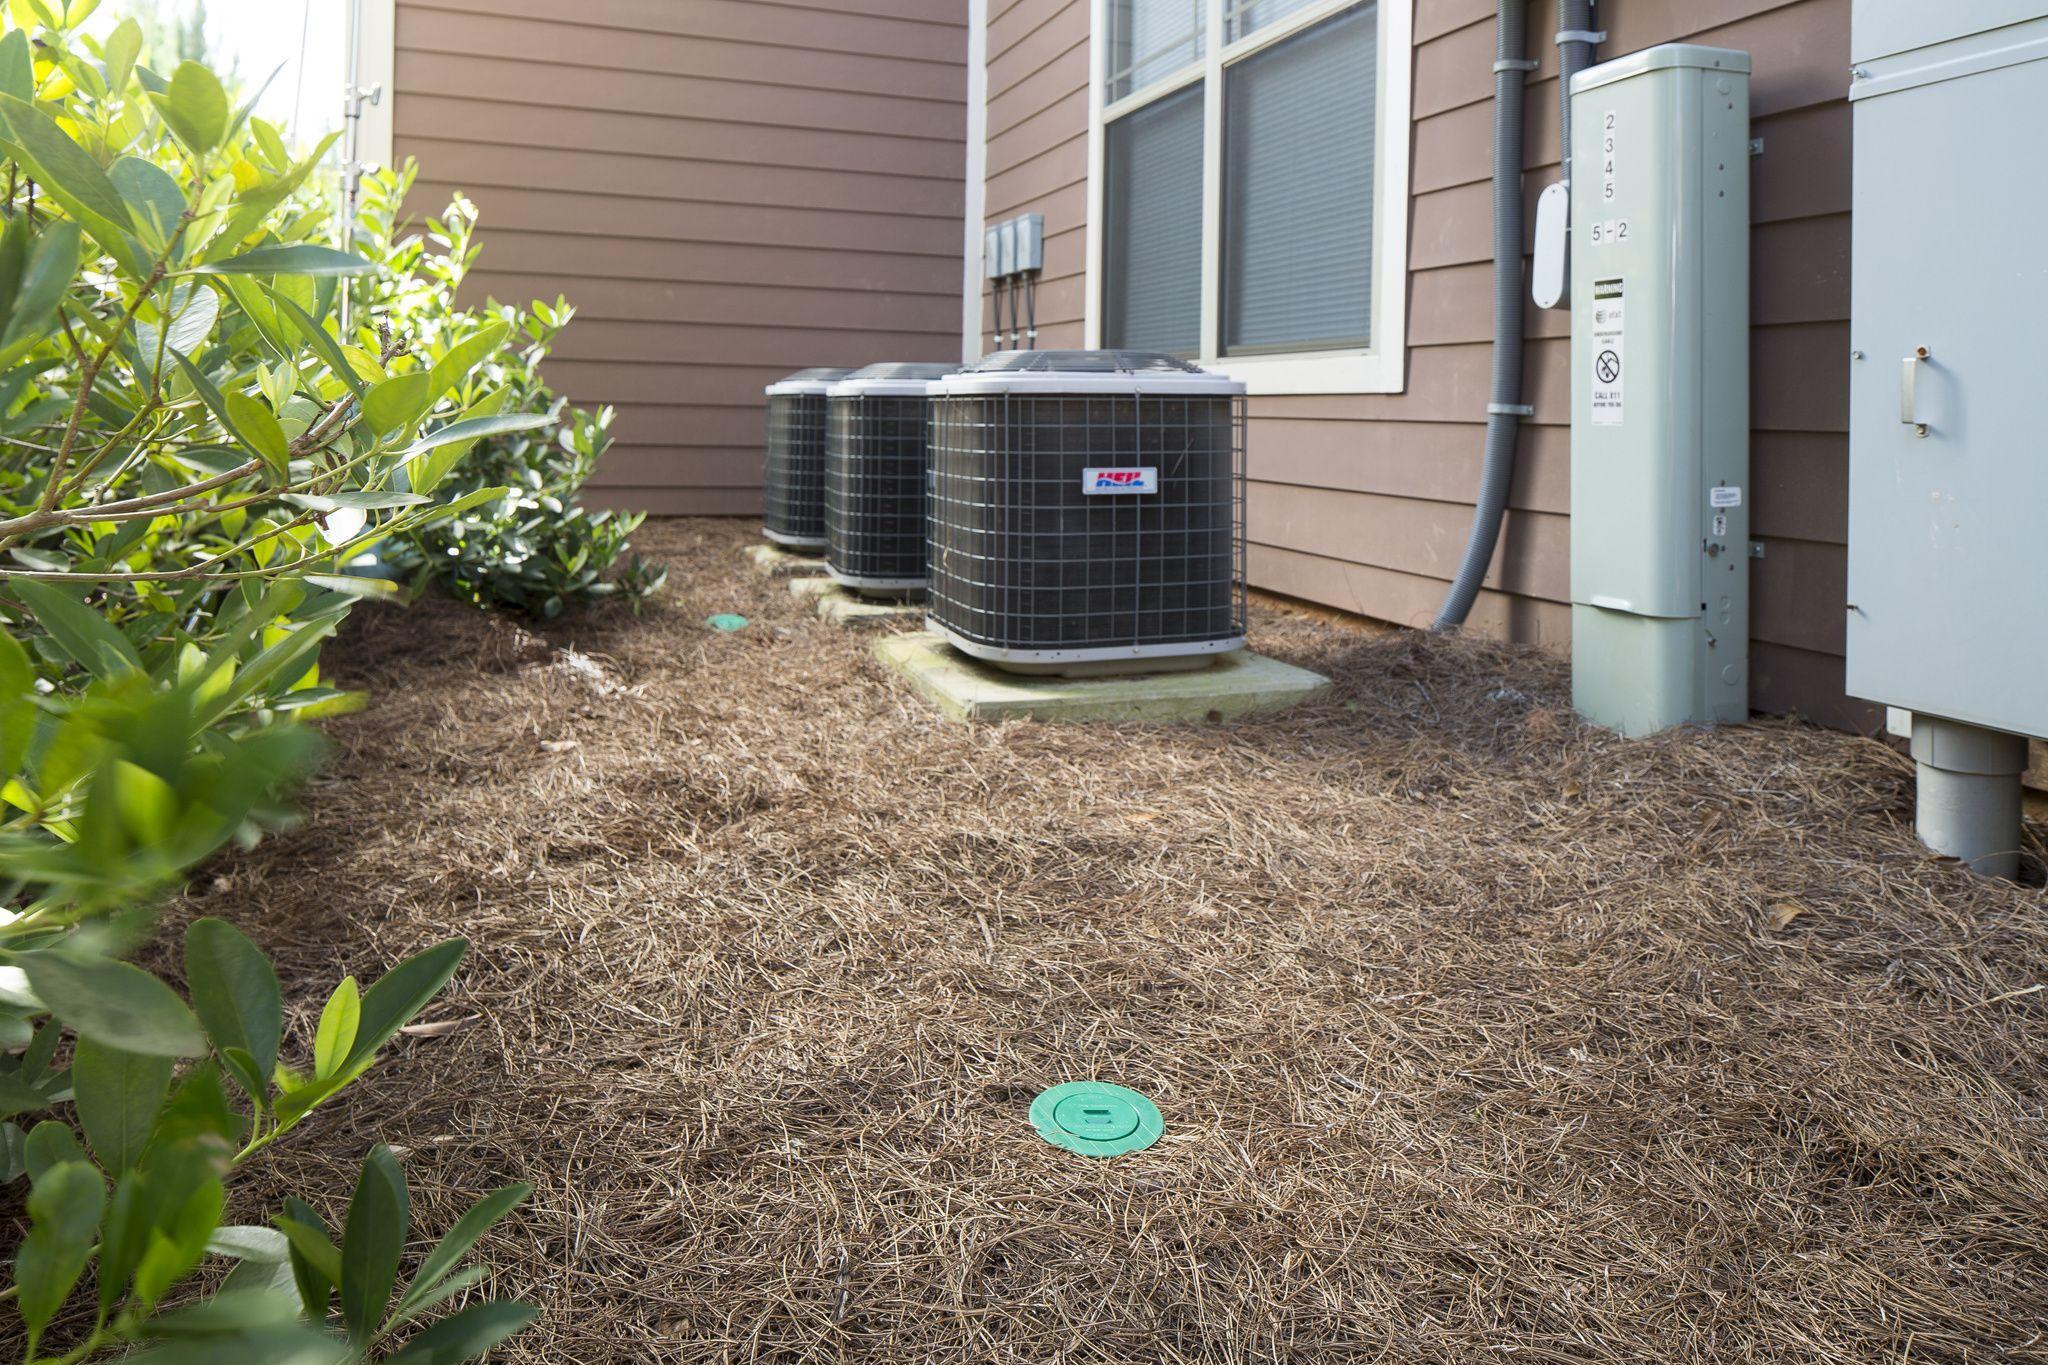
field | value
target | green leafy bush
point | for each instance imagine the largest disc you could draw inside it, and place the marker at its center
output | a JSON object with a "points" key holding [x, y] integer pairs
{"points": [[191, 445], [533, 545]]}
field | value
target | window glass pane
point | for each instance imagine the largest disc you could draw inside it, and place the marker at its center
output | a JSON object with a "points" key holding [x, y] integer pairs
{"points": [[1151, 39], [1244, 17], [1152, 232], [1299, 155]]}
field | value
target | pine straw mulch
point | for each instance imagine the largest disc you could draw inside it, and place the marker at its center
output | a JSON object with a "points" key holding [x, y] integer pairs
{"points": [[1478, 1034]]}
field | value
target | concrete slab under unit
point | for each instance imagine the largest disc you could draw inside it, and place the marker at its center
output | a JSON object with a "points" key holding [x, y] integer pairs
{"points": [[969, 690], [777, 562], [838, 606]]}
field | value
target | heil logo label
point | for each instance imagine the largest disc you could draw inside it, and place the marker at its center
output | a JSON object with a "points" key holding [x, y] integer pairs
{"points": [[1129, 479]]}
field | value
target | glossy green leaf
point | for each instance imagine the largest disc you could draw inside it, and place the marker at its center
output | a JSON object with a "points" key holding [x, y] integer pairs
{"points": [[303, 258], [355, 585], [114, 1003], [195, 106], [155, 203], [17, 66], [475, 429], [325, 345], [119, 1095], [148, 805], [50, 1143], [235, 992], [78, 630], [372, 1243], [450, 1250], [253, 420], [453, 368], [193, 309], [397, 402], [337, 1031], [247, 1242], [215, 401], [52, 267], [17, 1096], [13, 1153], [17, 711], [198, 1111], [429, 469], [315, 1261], [403, 992], [466, 1334], [119, 51], [188, 1212], [69, 174], [64, 1209]]}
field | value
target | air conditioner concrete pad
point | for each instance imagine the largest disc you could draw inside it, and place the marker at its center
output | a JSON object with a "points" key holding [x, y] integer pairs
{"points": [[777, 562], [841, 607], [969, 690]]}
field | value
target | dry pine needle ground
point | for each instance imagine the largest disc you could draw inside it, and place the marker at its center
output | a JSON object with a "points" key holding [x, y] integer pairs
{"points": [[1479, 1035]]}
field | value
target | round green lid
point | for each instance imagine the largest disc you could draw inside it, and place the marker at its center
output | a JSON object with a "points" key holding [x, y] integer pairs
{"points": [[1095, 1118], [726, 620]]}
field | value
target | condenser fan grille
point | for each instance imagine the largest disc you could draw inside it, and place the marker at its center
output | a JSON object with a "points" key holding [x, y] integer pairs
{"points": [[875, 491], [1025, 561], [793, 491]]}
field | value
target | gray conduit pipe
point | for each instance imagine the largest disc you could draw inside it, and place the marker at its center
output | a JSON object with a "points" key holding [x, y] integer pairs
{"points": [[1505, 409]]}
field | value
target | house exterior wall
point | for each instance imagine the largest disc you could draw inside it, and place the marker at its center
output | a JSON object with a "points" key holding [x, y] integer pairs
{"points": [[728, 190], [1364, 502]]}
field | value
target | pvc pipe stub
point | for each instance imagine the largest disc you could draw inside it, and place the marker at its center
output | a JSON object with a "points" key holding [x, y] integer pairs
{"points": [[1969, 796]]}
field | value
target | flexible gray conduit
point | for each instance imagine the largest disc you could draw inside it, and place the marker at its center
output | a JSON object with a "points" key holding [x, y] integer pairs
{"points": [[1503, 418]]}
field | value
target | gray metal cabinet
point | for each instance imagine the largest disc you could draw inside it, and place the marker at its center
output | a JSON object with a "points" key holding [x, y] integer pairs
{"points": [[1948, 485]]}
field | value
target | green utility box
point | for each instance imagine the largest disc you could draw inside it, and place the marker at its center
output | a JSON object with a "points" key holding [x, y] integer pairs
{"points": [[1660, 389]]}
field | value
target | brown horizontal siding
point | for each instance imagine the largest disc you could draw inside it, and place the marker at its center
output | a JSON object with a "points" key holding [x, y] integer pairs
{"points": [[925, 28], [1038, 148], [1363, 502], [727, 190], [504, 119]]}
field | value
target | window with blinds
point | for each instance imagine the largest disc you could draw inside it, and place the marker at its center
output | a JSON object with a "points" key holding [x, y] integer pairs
{"points": [[1242, 17], [1152, 236], [1152, 39], [1299, 149], [1294, 90]]}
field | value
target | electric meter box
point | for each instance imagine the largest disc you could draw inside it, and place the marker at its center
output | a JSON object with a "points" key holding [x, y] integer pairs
{"points": [[1947, 608], [1660, 389]]}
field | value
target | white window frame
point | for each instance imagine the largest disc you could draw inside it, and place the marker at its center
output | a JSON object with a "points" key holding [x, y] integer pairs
{"points": [[379, 38], [1381, 368]]}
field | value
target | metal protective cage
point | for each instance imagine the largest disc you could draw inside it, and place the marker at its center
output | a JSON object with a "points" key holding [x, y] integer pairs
{"points": [[793, 478], [1087, 507], [875, 474]]}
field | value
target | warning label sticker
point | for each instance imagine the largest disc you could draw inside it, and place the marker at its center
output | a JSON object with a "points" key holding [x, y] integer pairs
{"points": [[1606, 333], [1721, 495]]}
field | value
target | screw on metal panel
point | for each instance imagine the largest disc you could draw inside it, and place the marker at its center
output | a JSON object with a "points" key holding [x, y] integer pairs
{"points": [[1855, 355], [1756, 549], [1756, 146]]}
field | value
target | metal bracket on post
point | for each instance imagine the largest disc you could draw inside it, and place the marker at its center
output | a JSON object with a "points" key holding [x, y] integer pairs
{"points": [[1581, 35]]}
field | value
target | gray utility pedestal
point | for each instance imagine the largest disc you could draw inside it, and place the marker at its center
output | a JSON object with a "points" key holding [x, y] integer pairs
{"points": [[1660, 389], [1947, 611]]}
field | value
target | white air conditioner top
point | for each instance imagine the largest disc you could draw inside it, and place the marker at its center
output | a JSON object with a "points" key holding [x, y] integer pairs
{"points": [[1086, 372], [897, 380], [805, 381]]}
